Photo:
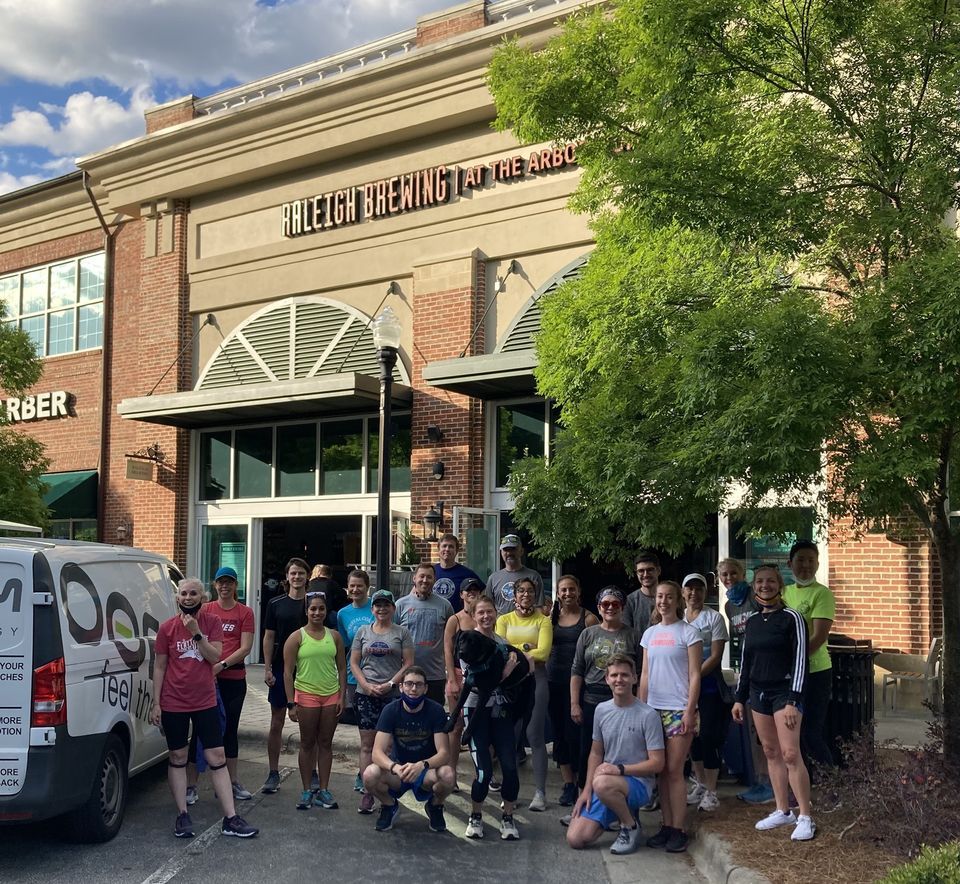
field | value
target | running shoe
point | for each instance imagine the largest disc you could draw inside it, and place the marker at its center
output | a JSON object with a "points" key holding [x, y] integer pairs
{"points": [[366, 803], [539, 801], [565, 819], [568, 797], [678, 841], [695, 792], [192, 795], [183, 828], [272, 783], [357, 783], [661, 838], [654, 802], [315, 782], [508, 828], [237, 826], [776, 819], [709, 803], [306, 800], [628, 840], [388, 813], [758, 793], [475, 827], [241, 794], [324, 798], [805, 829], [495, 784], [435, 815]]}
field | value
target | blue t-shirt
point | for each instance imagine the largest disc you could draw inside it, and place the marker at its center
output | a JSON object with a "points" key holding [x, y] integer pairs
{"points": [[413, 732], [349, 621], [448, 583]]}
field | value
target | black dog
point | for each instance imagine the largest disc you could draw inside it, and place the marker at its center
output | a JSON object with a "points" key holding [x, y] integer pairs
{"points": [[485, 659]]}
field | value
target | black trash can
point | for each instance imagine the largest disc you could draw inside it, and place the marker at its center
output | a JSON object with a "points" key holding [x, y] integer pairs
{"points": [[851, 704]]}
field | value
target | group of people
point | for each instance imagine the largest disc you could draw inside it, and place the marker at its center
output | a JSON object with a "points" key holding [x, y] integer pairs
{"points": [[633, 698]]}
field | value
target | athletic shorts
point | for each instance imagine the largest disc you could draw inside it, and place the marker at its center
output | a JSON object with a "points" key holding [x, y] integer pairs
{"points": [[637, 796], [206, 724], [672, 721], [314, 701], [420, 792], [368, 710], [769, 701], [277, 695]]}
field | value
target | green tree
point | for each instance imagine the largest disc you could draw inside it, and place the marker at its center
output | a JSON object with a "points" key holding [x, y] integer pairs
{"points": [[21, 456], [773, 304]]}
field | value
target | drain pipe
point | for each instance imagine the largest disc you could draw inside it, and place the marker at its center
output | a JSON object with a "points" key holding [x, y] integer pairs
{"points": [[106, 349]]}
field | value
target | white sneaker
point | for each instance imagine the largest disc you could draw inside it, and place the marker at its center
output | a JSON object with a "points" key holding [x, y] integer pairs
{"points": [[709, 802], [475, 827], [695, 792], [776, 819], [539, 801], [805, 830], [508, 829], [192, 795]]}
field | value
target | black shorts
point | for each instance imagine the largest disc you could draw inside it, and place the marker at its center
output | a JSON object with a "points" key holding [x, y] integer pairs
{"points": [[206, 724], [368, 710], [277, 694], [771, 700]]}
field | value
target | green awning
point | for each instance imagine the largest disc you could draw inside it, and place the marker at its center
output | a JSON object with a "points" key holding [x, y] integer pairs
{"points": [[71, 495]]}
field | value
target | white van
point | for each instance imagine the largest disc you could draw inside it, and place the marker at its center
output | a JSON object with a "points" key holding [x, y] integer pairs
{"points": [[77, 628]]}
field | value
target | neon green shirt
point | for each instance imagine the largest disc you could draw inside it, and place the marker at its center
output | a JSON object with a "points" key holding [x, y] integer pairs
{"points": [[814, 602]]}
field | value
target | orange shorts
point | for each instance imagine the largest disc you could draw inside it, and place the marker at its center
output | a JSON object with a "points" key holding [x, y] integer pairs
{"points": [[314, 701]]}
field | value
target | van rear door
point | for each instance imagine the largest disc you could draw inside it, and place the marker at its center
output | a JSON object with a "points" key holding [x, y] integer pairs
{"points": [[16, 667]]}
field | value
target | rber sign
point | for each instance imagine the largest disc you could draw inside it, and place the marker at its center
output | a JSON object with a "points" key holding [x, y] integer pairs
{"points": [[42, 406]]}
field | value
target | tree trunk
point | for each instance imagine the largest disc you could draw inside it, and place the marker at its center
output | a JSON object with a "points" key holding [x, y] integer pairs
{"points": [[948, 551]]}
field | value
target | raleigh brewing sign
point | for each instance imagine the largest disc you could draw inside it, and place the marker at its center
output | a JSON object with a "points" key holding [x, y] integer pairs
{"points": [[419, 189]]}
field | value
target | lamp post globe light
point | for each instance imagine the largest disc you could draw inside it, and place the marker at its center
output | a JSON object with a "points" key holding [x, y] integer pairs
{"points": [[386, 338]]}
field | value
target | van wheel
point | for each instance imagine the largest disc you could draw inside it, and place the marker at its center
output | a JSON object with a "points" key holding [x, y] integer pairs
{"points": [[101, 816]]}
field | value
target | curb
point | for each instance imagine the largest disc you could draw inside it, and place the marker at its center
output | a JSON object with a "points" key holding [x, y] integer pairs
{"points": [[711, 856]]}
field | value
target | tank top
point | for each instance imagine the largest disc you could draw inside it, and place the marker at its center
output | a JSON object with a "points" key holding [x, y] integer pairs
{"points": [[317, 665], [564, 647]]}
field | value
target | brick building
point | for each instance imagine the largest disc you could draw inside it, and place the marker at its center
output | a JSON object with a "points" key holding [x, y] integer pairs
{"points": [[218, 360]]}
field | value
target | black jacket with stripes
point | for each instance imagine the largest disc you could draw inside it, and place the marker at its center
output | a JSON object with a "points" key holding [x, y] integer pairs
{"points": [[774, 654]]}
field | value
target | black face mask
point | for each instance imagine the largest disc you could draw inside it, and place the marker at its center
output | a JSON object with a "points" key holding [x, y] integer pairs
{"points": [[189, 610]]}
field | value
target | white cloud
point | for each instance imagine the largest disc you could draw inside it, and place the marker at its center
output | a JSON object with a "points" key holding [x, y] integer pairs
{"points": [[85, 123], [59, 42], [10, 182]]}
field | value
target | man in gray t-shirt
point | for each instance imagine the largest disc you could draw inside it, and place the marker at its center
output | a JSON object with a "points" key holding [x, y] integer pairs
{"points": [[426, 615], [626, 754], [500, 583], [640, 601]]}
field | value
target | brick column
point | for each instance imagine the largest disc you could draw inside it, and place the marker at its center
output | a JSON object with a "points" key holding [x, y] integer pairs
{"points": [[448, 301], [151, 324]]}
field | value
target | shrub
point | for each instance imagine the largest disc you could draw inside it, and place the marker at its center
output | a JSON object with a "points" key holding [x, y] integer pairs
{"points": [[934, 866], [905, 797]]}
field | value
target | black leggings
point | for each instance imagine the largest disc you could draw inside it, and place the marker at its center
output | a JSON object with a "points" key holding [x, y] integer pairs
{"points": [[566, 734], [232, 693], [813, 727], [714, 721], [499, 734]]}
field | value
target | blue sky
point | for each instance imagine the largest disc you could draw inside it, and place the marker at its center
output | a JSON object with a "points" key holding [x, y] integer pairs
{"points": [[77, 75]]}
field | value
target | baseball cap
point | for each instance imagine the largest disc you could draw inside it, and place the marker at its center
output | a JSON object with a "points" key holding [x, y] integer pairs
{"points": [[511, 541], [473, 583], [225, 572], [610, 592], [695, 576], [382, 595]]}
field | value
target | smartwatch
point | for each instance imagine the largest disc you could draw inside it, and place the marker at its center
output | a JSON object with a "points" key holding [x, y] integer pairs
{"points": [[426, 764], [291, 705], [622, 769], [198, 637]]}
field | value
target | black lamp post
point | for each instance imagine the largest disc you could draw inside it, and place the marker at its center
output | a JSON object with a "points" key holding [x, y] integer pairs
{"points": [[386, 338]]}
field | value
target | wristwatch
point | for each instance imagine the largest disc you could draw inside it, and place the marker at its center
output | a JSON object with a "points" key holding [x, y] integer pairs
{"points": [[392, 766], [198, 637], [291, 705], [426, 764], [622, 769]]}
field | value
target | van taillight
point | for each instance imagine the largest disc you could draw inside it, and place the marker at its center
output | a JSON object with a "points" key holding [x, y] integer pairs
{"points": [[49, 695]]}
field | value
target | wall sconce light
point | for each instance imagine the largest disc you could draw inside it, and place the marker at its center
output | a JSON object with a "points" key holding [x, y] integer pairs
{"points": [[434, 433], [123, 530], [438, 470], [433, 521]]}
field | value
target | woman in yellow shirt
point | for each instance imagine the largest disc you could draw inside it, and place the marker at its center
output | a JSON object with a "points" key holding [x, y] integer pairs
{"points": [[527, 628]]}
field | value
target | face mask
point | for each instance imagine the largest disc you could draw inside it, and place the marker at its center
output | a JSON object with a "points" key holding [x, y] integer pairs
{"points": [[737, 594], [413, 703], [189, 609], [806, 582]]}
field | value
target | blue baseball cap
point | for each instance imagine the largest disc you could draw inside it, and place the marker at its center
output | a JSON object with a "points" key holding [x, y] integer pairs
{"points": [[226, 572]]}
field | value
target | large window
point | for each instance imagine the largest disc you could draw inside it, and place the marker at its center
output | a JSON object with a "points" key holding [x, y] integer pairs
{"points": [[60, 305], [336, 456], [523, 429]]}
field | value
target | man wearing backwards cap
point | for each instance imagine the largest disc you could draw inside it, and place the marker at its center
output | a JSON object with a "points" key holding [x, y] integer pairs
{"points": [[500, 583]]}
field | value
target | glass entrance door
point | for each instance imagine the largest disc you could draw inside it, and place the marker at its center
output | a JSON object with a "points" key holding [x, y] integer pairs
{"points": [[224, 546]]}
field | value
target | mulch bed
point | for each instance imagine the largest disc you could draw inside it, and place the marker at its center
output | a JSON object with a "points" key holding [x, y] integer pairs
{"points": [[828, 858]]}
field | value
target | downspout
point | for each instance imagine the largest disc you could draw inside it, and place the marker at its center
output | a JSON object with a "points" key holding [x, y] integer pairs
{"points": [[106, 349]]}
